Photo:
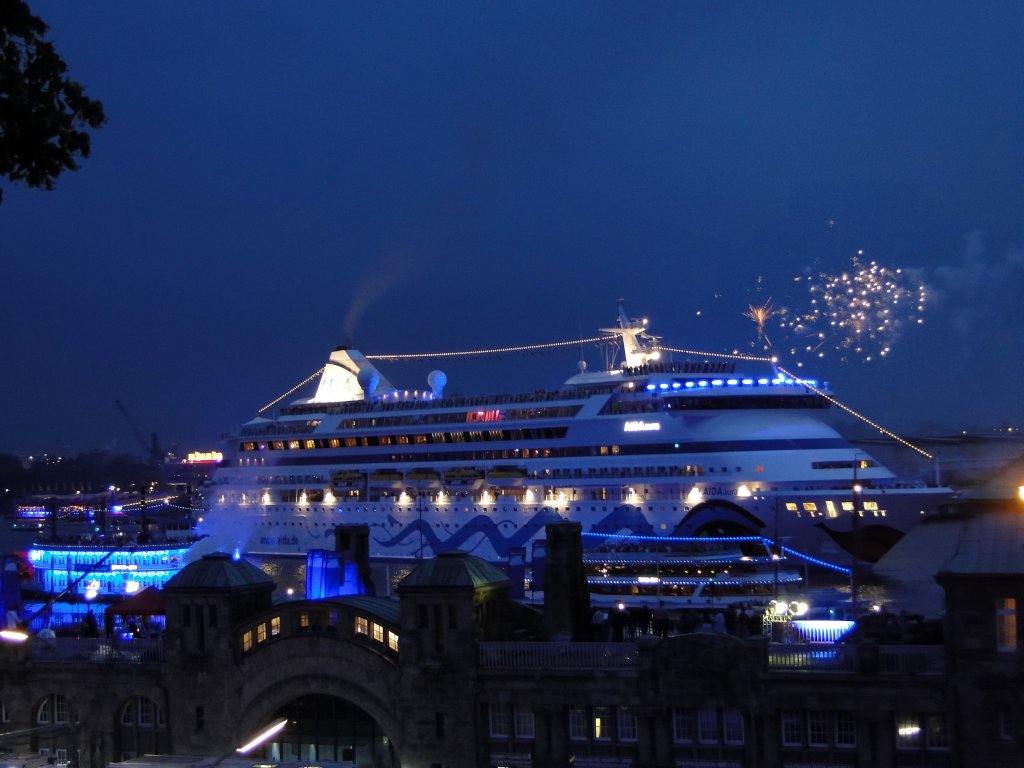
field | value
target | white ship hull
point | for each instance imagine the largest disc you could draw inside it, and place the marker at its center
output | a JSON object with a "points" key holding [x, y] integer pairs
{"points": [[643, 450]]}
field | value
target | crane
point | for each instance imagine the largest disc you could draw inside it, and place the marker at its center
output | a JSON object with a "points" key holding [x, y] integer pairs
{"points": [[151, 447]]}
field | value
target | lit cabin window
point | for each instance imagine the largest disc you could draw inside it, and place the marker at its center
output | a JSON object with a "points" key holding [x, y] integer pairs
{"points": [[1006, 624], [362, 626], [791, 507], [810, 506]]}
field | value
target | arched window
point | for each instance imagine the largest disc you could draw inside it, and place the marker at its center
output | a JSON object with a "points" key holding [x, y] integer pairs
{"points": [[55, 709], [140, 712], [142, 728]]}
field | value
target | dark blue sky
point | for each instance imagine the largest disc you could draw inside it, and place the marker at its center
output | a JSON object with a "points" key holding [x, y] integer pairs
{"points": [[278, 178]]}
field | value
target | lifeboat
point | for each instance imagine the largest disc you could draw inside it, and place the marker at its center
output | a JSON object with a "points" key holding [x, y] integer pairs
{"points": [[464, 476], [386, 478], [423, 478], [348, 477], [507, 477]]}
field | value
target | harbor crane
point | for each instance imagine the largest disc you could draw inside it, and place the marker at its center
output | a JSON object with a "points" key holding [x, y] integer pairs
{"points": [[152, 446]]}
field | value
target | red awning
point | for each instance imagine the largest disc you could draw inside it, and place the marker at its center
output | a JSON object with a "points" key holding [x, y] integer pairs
{"points": [[149, 602]]}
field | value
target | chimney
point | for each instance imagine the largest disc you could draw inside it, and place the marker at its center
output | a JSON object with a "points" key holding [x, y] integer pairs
{"points": [[566, 594]]}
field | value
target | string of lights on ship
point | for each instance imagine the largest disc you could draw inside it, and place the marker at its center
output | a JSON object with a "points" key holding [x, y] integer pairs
{"points": [[786, 376]]}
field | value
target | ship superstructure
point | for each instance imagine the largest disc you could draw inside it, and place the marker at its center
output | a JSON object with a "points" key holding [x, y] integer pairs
{"points": [[644, 446]]}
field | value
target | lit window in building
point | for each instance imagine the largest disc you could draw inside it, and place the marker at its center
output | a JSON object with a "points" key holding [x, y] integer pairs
{"points": [[792, 507], [247, 641], [392, 641], [275, 626], [602, 723], [378, 632], [523, 723], [1006, 624], [908, 731], [810, 506], [261, 633], [362, 626]]}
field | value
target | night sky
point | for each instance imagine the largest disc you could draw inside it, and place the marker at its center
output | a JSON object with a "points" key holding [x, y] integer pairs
{"points": [[279, 178]]}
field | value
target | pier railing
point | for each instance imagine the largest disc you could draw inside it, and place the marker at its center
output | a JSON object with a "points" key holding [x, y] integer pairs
{"points": [[864, 658], [78, 650], [853, 658], [558, 655]]}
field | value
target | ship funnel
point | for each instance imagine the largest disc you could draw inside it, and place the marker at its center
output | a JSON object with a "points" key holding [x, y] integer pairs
{"points": [[348, 376]]}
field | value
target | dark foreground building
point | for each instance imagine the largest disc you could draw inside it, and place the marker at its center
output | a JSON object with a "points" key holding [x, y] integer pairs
{"points": [[455, 674]]}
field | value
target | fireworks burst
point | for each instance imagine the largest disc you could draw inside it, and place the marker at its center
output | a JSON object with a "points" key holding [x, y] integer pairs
{"points": [[760, 314], [860, 313]]}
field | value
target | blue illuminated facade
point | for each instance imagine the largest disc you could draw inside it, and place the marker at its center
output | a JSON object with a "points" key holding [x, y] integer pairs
{"points": [[91, 573]]}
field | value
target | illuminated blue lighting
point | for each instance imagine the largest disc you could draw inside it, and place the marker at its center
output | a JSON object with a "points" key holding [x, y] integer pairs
{"points": [[676, 385], [650, 387], [748, 382], [789, 381], [716, 382], [687, 539], [237, 555], [702, 383], [815, 561], [732, 382], [663, 385], [690, 385], [762, 382], [117, 509]]}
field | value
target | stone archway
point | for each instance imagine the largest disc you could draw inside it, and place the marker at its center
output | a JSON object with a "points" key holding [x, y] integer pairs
{"points": [[327, 728]]}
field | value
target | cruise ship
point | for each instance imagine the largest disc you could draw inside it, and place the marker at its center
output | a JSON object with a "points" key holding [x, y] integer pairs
{"points": [[644, 447]]}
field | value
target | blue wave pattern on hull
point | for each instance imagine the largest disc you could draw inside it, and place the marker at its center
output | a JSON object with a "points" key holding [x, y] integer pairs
{"points": [[626, 519]]}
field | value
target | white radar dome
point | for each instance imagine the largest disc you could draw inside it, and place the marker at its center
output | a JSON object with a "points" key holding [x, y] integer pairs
{"points": [[436, 381], [582, 365]]}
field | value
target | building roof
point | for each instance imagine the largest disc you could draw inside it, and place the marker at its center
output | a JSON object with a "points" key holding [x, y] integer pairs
{"points": [[454, 569], [218, 570], [384, 608], [991, 543]]}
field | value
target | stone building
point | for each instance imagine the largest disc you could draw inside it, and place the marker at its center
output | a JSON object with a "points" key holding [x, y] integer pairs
{"points": [[454, 673]]}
